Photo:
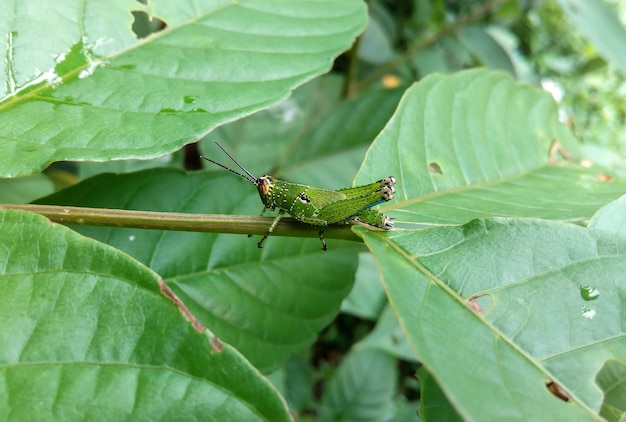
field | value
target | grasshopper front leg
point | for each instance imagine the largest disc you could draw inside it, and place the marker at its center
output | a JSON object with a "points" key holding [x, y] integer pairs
{"points": [[260, 215], [271, 227], [321, 233]]}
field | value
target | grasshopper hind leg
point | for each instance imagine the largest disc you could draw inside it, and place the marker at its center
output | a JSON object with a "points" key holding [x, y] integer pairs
{"points": [[372, 218]]}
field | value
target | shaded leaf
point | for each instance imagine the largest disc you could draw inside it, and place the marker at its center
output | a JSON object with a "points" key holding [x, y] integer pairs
{"points": [[299, 385], [488, 52], [330, 153], [612, 380], [25, 189], [435, 404], [362, 388], [367, 298], [375, 46], [314, 140], [389, 336]]}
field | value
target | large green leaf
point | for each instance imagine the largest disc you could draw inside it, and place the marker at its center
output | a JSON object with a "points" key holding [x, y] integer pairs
{"points": [[538, 323], [89, 335], [266, 302], [498, 309], [94, 91], [477, 144]]}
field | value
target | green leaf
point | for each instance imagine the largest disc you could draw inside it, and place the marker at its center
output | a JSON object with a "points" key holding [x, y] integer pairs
{"points": [[535, 325], [600, 23], [612, 380], [89, 333], [477, 144], [367, 298], [375, 46], [436, 405], [488, 52], [25, 189], [266, 302], [299, 383], [611, 217], [388, 336], [527, 302], [94, 91], [362, 388], [248, 139]]}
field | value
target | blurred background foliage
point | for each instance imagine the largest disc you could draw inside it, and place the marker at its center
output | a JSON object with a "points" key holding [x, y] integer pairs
{"points": [[548, 43]]}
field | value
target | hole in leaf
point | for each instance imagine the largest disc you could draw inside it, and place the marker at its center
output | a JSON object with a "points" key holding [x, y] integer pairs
{"points": [[480, 303], [435, 168], [475, 306], [589, 293], [558, 391], [144, 24]]}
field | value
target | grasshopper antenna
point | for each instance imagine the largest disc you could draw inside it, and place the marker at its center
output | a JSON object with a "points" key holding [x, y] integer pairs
{"points": [[248, 176]]}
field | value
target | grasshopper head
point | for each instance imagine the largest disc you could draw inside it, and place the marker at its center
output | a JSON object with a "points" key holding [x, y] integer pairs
{"points": [[265, 184]]}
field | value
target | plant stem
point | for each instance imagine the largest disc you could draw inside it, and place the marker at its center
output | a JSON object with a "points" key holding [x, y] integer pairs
{"points": [[211, 223]]}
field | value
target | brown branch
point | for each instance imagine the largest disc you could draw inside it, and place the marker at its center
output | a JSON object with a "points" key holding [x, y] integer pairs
{"points": [[351, 85]]}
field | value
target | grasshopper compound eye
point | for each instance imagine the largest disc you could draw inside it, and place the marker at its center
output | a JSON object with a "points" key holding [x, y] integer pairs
{"points": [[264, 185]]}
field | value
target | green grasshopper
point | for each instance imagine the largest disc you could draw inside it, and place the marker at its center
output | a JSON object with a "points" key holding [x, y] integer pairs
{"points": [[316, 206]]}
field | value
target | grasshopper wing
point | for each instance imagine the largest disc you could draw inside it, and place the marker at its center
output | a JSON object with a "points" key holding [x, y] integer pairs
{"points": [[321, 198], [343, 210]]}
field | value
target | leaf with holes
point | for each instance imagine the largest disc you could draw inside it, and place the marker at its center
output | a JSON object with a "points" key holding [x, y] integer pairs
{"points": [[94, 91], [91, 334], [511, 314], [478, 144]]}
